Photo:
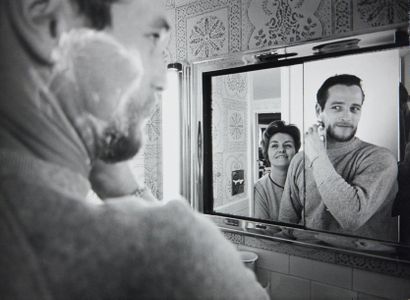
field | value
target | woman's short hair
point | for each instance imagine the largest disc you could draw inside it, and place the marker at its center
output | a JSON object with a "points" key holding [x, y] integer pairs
{"points": [[279, 127]]}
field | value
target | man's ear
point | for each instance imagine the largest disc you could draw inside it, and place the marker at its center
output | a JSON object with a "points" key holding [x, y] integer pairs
{"points": [[38, 23], [318, 110]]}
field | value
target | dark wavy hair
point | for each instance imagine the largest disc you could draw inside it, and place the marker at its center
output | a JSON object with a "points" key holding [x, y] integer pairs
{"points": [[98, 12], [343, 79], [279, 127]]}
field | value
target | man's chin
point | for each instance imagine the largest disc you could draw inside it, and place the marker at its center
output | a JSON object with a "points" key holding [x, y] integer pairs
{"points": [[341, 137], [120, 148]]}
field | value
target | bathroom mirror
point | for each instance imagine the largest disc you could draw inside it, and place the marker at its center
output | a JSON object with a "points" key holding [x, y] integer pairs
{"points": [[241, 99]]}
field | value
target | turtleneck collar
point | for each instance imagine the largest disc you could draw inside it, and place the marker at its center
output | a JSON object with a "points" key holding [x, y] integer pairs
{"points": [[335, 148], [31, 119], [40, 172]]}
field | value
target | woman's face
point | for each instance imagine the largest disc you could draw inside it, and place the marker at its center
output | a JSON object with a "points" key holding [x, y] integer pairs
{"points": [[281, 150]]}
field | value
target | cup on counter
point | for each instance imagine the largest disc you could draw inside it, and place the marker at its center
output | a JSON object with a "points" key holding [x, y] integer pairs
{"points": [[249, 259]]}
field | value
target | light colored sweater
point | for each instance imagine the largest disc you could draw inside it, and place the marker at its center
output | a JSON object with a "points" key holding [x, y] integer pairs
{"points": [[56, 245], [267, 199], [350, 191]]}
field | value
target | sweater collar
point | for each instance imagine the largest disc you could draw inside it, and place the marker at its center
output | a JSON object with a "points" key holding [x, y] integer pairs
{"points": [[38, 171], [339, 148]]}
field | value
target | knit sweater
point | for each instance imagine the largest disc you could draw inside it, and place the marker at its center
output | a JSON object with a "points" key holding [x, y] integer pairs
{"points": [[351, 191], [56, 245], [267, 199]]}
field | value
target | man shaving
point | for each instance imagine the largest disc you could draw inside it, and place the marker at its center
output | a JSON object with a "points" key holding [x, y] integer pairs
{"points": [[349, 185], [72, 97]]}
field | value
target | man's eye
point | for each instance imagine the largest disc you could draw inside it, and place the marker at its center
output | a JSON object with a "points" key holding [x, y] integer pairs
{"points": [[336, 107], [355, 109], [153, 36]]}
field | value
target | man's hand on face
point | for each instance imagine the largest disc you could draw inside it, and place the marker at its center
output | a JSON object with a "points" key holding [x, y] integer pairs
{"points": [[115, 181], [314, 142]]}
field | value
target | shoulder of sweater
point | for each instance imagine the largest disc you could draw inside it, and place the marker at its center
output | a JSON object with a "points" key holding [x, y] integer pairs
{"points": [[262, 180], [175, 213], [161, 223], [298, 160], [377, 151]]}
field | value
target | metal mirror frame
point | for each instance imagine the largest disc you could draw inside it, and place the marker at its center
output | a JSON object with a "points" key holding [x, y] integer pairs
{"points": [[196, 189]]}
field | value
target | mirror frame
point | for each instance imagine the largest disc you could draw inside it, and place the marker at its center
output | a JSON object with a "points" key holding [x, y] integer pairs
{"points": [[198, 176]]}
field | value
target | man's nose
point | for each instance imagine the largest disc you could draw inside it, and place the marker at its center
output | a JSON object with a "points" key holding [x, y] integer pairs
{"points": [[346, 115], [159, 78]]}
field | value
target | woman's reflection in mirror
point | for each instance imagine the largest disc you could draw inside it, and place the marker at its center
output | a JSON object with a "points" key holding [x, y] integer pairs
{"points": [[341, 183], [280, 143]]}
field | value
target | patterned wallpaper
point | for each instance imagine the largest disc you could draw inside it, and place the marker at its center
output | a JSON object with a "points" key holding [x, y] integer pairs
{"points": [[205, 29], [147, 164], [229, 134], [210, 28]]}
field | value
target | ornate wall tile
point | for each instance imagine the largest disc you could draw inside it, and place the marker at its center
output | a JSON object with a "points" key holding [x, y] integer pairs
{"points": [[218, 118], [229, 135], [153, 169], [153, 178], [201, 29], [234, 237], [217, 170], [236, 86], [169, 4], [236, 126], [324, 14], [207, 35], [218, 89], [283, 22], [247, 26], [376, 13], [153, 152], [339, 257], [183, 2], [291, 249], [234, 133], [374, 264], [153, 126], [146, 166], [342, 16]]}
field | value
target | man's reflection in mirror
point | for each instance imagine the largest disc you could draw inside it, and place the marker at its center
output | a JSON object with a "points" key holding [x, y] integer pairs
{"points": [[341, 183], [280, 142]]}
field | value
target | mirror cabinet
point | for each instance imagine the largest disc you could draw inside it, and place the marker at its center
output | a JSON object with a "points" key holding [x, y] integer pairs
{"points": [[235, 100]]}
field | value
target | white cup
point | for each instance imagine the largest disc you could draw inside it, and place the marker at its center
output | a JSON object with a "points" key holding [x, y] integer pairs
{"points": [[249, 259]]}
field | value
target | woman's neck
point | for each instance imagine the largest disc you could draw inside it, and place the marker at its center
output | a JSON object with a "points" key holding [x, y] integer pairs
{"points": [[278, 175]]}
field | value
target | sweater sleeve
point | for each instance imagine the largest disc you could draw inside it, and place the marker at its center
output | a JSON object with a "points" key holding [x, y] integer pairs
{"points": [[291, 206], [261, 205], [180, 254], [353, 203]]}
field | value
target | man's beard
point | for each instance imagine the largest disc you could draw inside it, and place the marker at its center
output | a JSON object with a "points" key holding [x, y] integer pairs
{"points": [[119, 145], [334, 136]]}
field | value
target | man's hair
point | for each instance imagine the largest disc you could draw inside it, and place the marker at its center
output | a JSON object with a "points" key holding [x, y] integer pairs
{"points": [[344, 79], [279, 127], [98, 12]]}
